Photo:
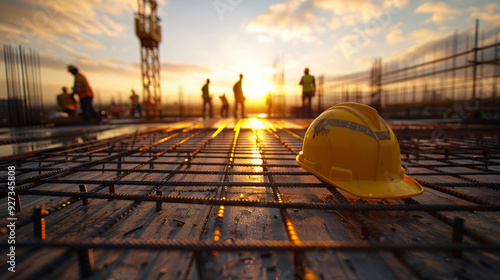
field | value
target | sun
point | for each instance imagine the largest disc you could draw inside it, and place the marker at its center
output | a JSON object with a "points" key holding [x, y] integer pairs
{"points": [[257, 89]]}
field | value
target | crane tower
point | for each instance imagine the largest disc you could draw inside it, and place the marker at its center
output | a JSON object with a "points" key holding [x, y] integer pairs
{"points": [[148, 30]]}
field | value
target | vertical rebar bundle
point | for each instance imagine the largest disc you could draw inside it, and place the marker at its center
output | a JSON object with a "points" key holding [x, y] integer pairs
{"points": [[279, 103], [24, 104]]}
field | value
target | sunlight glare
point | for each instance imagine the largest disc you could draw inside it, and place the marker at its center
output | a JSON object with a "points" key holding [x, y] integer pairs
{"points": [[256, 124], [258, 89]]}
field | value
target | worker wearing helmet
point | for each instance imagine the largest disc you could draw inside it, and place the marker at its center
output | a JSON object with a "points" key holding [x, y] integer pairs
{"points": [[269, 102], [225, 105], [136, 105], [66, 102], [308, 88], [351, 147], [82, 88], [207, 99], [239, 98]]}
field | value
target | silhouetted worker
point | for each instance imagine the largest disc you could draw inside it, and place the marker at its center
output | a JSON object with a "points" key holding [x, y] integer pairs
{"points": [[308, 87], [205, 93], [66, 102], [82, 88], [239, 98], [269, 102], [115, 110], [136, 105], [225, 105]]}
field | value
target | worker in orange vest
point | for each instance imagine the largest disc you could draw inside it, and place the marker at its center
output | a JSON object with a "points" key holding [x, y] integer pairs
{"points": [[66, 102], [82, 88], [115, 110]]}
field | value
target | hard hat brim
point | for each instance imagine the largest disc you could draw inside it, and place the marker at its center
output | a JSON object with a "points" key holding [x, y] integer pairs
{"points": [[396, 189]]}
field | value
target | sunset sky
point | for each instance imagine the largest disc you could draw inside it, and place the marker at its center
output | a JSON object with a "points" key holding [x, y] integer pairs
{"points": [[218, 39]]}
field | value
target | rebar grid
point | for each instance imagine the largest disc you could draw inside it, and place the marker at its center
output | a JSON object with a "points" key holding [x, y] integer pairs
{"points": [[189, 144]]}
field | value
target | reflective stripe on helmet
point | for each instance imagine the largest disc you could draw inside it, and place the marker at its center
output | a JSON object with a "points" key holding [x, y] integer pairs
{"points": [[324, 125]]}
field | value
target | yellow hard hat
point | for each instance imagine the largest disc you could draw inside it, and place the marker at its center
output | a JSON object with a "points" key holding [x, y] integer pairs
{"points": [[71, 67], [351, 147]]}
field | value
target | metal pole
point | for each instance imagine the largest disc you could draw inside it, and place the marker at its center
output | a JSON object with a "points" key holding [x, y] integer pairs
{"points": [[13, 86], [453, 73], [466, 69], [34, 97], [17, 100], [496, 72], [475, 60], [23, 69], [29, 83], [8, 80], [42, 113], [481, 66], [283, 84]]}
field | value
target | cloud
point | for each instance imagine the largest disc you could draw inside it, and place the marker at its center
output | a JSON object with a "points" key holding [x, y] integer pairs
{"points": [[63, 21], [51, 62], [263, 39], [364, 62], [304, 19], [363, 10], [419, 36], [335, 23], [430, 45], [73, 52], [486, 13], [424, 35], [440, 11], [288, 20], [183, 68], [117, 67], [395, 36], [348, 38]]}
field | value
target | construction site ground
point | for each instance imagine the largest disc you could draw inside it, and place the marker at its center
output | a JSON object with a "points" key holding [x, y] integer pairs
{"points": [[224, 198]]}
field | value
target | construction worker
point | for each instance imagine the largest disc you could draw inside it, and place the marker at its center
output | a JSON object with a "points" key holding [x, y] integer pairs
{"points": [[205, 94], [66, 102], [269, 102], [225, 105], [239, 98], [82, 88], [115, 110], [308, 88], [136, 106]]}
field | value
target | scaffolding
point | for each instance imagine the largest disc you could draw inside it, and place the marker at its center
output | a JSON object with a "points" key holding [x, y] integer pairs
{"points": [[279, 94], [462, 68], [148, 31]]}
